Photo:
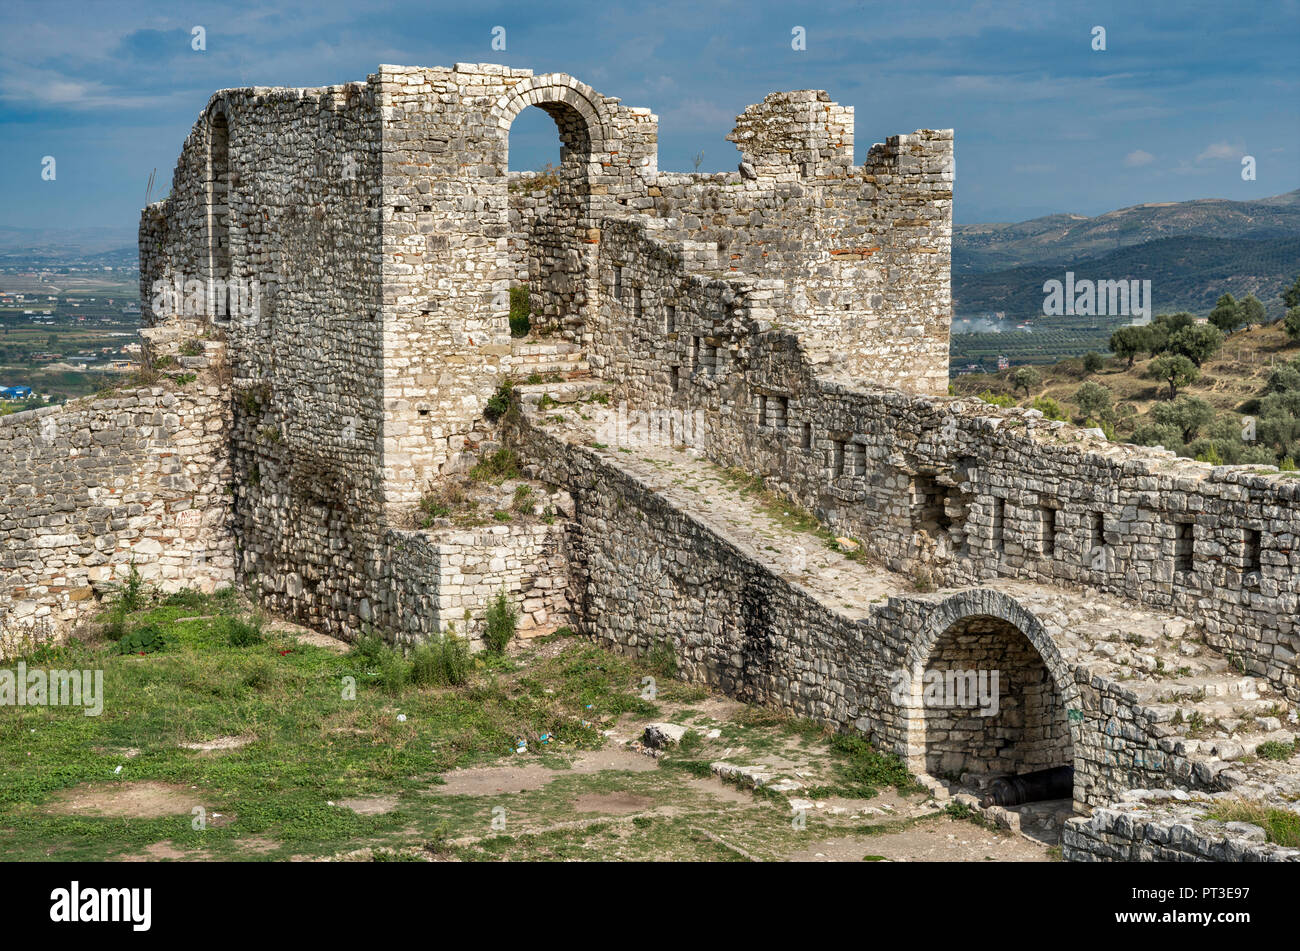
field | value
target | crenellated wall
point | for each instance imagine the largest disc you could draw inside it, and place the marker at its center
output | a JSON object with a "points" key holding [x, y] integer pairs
{"points": [[955, 491]]}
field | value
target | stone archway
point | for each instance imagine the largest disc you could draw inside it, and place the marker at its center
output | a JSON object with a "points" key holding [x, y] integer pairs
{"points": [[988, 692], [559, 221]]}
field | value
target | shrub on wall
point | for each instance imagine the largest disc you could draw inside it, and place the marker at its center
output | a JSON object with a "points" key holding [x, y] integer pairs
{"points": [[520, 308], [502, 620]]}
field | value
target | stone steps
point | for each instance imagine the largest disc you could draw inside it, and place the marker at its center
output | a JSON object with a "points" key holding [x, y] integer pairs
{"points": [[581, 388], [529, 355], [1196, 703]]}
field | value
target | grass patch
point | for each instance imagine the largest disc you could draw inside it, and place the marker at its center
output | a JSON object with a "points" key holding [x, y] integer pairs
{"points": [[1281, 826]]}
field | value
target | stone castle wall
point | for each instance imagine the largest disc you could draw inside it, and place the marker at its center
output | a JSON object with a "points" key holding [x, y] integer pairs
{"points": [[644, 571], [863, 251], [139, 477], [957, 491], [283, 188]]}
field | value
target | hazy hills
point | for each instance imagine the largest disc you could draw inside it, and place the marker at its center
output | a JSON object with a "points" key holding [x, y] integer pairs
{"points": [[1068, 238], [1186, 273], [1191, 251]]}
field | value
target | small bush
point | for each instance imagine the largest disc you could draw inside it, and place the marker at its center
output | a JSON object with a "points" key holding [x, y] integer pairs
{"points": [[367, 649], [498, 403], [241, 632], [1275, 749], [996, 399], [186, 598], [496, 468], [662, 659], [520, 308], [146, 639], [131, 594], [444, 661], [394, 671], [1049, 408], [502, 620]]}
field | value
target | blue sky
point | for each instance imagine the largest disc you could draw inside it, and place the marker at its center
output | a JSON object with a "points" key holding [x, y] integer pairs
{"points": [[1043, 122]]}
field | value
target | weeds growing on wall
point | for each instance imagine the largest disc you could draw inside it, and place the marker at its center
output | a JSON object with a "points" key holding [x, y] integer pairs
{"points": [[520, 309], [496, 468], [498, 403], [502, 621]]}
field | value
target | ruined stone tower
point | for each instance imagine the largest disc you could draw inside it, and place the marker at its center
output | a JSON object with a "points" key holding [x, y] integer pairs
{"points": [[330, 277]]}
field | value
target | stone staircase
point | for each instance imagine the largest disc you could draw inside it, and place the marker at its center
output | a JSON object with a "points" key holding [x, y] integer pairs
{"points": [[546, 356]]}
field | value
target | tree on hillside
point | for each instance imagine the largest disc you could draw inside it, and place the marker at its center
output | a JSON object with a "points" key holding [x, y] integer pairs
{"points": [[1292, 323], [1197, 343], [1227, 314], [1092, 362], [1163, 328], [1291, 296], [1174, 369], [1253, 313], [1093, 400], [1127, 342], [1026, 378], [1279, 422], [1187, 414]]}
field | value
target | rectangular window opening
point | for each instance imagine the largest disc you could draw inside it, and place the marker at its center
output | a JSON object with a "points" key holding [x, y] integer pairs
{"points": [[1050, 516], [1097, 534], [1250, 554], [1184, 546]]}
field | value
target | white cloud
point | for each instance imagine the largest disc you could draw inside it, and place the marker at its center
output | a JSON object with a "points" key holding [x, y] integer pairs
{"points": [[1219, 151], [1138, 157]]}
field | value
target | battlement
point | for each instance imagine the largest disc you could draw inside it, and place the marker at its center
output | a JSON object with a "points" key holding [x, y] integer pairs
{"points": [[332, 273]]}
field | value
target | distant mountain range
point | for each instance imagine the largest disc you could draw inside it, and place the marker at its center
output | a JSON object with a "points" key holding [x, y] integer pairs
{"points": [[60, 244], [1192, 251]]}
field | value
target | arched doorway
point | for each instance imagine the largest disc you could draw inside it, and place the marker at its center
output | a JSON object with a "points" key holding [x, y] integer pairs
{"points": [[989, 703], [554, 216], [988, 694]]}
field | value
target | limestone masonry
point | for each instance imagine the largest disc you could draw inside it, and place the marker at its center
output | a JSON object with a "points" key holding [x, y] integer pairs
{"points": [[711, 355]]}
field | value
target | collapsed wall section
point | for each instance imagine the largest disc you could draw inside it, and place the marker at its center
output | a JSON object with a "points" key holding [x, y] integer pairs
{"points": [[91, 488], [863, 251]]}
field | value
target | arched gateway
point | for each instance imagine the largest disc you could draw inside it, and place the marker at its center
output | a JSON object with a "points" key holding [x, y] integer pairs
{"points": [[987, 692]]}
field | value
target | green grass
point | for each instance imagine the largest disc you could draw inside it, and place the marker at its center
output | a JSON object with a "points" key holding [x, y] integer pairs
{"points": [[313, 745], [1281, 826]]}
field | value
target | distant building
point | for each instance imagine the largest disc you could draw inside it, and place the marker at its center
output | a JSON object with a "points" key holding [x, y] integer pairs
{"points": [[16, 393]]}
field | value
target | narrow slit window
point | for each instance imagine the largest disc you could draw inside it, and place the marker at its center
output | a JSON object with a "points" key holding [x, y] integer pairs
{"points": [[774, 411], [1050, 515], [1097, 533], [857, 463], [999, 524], [1250, 554], [805, 437], [837, 457], [670, 319], [1184, 546]]}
